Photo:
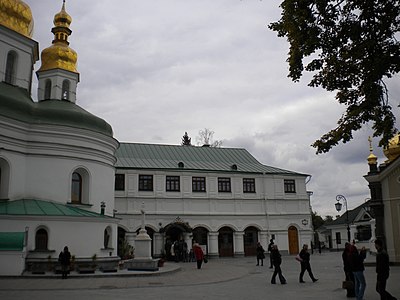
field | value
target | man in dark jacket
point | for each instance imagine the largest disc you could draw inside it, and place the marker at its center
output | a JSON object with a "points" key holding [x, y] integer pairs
{"points": [[305, 264], [382, 271], [276, 261], [357, 267], [65, 259]]}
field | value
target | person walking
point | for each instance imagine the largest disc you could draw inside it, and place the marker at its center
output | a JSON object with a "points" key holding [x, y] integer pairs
{"points": [[346, 256], [357, 267], [65, 259], [271, 243], [260, 254], [277, 261], [198, 254], [305, 264], [382, 271]]}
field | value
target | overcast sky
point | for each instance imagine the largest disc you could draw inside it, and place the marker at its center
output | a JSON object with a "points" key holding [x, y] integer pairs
{"points": [[154, 69]]}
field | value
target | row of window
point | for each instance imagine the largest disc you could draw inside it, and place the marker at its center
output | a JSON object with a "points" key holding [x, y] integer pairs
{"points": [[172, 184], [42, 238]]}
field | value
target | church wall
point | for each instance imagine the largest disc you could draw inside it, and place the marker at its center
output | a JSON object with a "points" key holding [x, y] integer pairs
{"points": [[26, 50]]}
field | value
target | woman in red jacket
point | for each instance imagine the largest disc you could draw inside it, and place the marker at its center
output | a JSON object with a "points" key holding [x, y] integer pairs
{"points": [[198, 254]]}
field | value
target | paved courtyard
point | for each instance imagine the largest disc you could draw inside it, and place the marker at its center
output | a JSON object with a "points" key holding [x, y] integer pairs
{"points": [[234, 279]]}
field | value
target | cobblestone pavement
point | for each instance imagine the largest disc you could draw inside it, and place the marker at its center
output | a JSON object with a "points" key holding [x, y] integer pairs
{"points": [[233, 279]]}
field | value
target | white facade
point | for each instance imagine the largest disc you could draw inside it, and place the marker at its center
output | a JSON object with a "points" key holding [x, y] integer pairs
{"points": [[270, 210]]}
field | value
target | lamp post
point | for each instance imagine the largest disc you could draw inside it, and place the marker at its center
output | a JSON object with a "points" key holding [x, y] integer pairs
{"points": [[338, 207]]}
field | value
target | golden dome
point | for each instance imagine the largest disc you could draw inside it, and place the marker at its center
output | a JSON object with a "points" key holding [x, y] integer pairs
{"points": [[62, 18], [392, 150], [16, 15], [60, 55]]}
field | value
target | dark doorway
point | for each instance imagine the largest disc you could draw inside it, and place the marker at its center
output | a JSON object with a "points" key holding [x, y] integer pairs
{"points": [[200, 236], [174, 232], [121, 239], [225, 242], [250, 241]]}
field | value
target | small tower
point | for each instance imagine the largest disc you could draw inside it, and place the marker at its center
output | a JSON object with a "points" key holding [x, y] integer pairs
{"points": [[58, 77], [372, 159]]}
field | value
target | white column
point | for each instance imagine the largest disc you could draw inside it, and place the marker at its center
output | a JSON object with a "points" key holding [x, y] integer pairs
{"points": [[158, 244], [130, 238], [213, 244], [263, 239], [238, 243]]}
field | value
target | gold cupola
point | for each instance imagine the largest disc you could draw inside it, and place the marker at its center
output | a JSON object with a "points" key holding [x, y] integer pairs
{"points": [[60, 55], [392, 150], [16, 15]]}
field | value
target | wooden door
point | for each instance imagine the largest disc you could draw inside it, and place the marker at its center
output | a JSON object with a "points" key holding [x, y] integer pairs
{"points": [[293, 240]]}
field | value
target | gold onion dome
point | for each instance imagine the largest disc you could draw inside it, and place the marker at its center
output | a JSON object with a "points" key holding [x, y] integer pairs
{"points": [[60, 55], [16, 15], [392, 150]]}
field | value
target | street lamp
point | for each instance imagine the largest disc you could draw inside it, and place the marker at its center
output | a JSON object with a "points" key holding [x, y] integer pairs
{"points": [[338, 207]]}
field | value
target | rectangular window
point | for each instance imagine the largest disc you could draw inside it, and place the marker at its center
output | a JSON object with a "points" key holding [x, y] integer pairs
{"points": [[119, 182], [172, 184], [224, 184], [249, 185], [290, 186], [198, 184], [145, 182]]}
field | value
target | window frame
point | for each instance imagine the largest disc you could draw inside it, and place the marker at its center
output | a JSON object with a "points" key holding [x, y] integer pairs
{"points": [[41, 240], [249, 185], [76, 181], [289, 186], [11, 67], [146, 183], [198, 184], [119, 184], [65, 89], [224, 185], [172, 183]]}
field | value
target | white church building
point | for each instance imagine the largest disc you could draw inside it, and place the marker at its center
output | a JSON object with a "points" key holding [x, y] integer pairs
{"points": [[66, 181]]}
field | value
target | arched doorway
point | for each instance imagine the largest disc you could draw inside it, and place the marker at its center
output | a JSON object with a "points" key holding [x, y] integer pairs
{"points": [[200, 235], [225, 242], [175, 232], [250, 241], [293, 237]]}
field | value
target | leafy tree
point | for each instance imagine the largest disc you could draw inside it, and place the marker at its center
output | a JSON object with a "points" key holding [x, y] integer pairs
{"points": [[205, 138], [328, 219], [186, 140], [317, 220], [350, 47]]}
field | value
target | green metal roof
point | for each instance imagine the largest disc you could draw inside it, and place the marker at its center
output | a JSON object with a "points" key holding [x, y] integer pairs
{"points": [[33, 207], [16, 103], [11, 241], [154, 156]]}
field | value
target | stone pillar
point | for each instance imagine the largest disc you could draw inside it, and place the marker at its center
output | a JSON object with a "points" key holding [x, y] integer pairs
{"points": [[238, 243], [263, 239], [158, 244], [213, 244], [143, 245], [130, 238]]}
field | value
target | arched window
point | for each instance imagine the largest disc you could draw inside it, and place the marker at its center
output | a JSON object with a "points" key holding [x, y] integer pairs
{"points": [[47, 89], [76, 190], [41, 239], [4, 178], [10, 67], [107, 237], [65, 90]]}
